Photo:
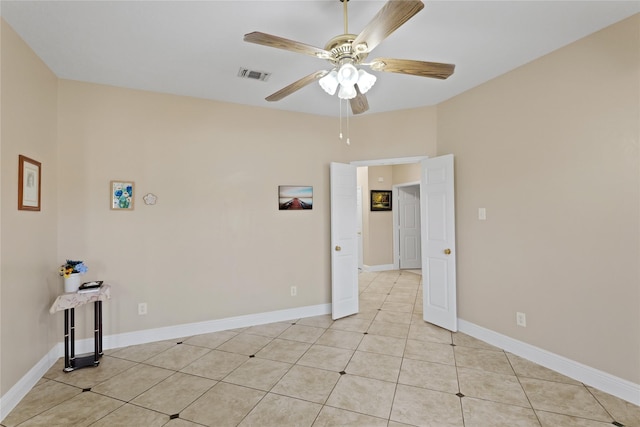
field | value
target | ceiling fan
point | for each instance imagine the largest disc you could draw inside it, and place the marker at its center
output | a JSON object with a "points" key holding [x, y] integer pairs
{"points": [[346, 51]]}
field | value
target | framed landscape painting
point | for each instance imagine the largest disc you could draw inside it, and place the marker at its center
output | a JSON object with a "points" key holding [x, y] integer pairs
{"points": [[294, 197], [380, 200]]}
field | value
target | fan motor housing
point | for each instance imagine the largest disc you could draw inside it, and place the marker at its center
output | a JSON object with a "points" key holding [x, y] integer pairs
{"points": [[341, 47]]}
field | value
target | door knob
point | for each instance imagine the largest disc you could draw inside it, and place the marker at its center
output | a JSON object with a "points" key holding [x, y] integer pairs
{"points": [[338, 248], [447, 251]]}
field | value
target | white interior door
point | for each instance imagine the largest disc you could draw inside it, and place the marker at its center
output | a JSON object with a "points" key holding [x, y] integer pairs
{"points": [[359, 245], [344, 255], [438, 242], [409, 227]]}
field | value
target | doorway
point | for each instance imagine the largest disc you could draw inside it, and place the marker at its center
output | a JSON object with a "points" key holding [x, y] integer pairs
{"points": [[437, 213], [389, 239], [407, 252], [378, 228]]}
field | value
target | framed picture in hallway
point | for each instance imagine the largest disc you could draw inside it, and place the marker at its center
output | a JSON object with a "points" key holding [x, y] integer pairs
{"points": [[295, 197], [380, 200], [122, 195], [29, 180]]}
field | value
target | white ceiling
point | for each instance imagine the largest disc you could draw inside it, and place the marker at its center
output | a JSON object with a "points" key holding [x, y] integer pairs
{"points": [[195, 48]]}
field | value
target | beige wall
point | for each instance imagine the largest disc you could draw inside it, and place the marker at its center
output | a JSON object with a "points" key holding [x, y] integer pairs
{"points": [[375, 136], [28, 276], [215, 244], [380, 231], [551, 151], [403, 174]]}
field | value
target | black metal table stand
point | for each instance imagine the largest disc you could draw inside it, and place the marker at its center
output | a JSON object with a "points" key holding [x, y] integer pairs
{"points": [[71, 362]]}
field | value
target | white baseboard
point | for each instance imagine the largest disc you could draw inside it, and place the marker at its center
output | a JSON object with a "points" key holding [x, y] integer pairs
{"points": [[608, 383], [12, 397], [381, 267], [187, 330]]}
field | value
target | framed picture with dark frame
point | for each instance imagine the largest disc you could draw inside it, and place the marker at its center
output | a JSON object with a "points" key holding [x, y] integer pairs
{"points": [[380, 200], [29, 182]]}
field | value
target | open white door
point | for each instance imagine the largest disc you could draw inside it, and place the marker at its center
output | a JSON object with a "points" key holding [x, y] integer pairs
{"points": [[359, 244], [438, 242], [409, 227], [344, 253]]}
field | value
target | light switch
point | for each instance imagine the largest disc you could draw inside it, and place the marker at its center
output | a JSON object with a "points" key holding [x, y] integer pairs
{"points": [[482, 214], [380, 179]]}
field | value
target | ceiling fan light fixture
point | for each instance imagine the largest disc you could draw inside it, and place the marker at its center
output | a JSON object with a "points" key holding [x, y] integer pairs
{"points": [[365, 81], [329, 82], [347, 76], [348, 51]]}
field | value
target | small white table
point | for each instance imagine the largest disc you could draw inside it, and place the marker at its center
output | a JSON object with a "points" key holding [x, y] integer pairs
{"points": [[68, 302]]}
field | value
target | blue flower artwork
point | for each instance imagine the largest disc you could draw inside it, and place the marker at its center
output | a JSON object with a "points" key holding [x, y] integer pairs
{"points": [[121, 195]]}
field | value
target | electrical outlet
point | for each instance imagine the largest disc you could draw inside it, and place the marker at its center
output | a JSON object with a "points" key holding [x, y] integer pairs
{"points": [[294, 291], [142, 308], [521, 319]]}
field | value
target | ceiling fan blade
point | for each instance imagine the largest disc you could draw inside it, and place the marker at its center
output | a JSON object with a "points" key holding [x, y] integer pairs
{"points": [[392, 15], [436, 70], [286, 44], [359, 104], [297, 85]]}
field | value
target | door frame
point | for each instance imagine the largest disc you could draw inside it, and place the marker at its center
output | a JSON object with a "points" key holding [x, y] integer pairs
{"points": [[389, 162], [395, 195], [359, 243], [426, 186]]}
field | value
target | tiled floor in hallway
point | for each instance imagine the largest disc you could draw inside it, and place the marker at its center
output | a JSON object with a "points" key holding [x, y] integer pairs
{"points": [[382, 367]]}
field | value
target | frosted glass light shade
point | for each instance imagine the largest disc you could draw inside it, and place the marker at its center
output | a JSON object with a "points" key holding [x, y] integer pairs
{"points": [[365, 81], [347, 92], [329, 82], [348, 75]]}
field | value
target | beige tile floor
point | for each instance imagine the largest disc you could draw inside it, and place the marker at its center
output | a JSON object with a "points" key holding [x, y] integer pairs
{"points": [[382, 367]]}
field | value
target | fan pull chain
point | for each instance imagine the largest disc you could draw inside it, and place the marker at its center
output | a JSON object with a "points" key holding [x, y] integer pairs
{"points": [[340, 103], [348, 141]]}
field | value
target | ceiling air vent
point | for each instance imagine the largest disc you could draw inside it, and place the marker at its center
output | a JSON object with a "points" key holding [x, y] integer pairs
{"points": [[253, 75]]}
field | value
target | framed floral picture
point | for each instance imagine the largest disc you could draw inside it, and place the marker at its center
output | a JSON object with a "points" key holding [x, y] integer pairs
{"points": [[29, 180], [122, 193]]}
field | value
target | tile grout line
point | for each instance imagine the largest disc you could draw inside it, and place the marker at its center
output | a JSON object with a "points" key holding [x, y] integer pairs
{"points": [[377, 324]]}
